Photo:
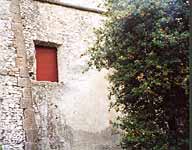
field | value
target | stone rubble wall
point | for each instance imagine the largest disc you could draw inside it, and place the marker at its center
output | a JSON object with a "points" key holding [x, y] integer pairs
{"points": [[17, 121], [12, 135], [69, 115]]}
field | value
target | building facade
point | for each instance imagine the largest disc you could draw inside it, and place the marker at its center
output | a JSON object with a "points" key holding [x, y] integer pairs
{"points": [[69, 113]]}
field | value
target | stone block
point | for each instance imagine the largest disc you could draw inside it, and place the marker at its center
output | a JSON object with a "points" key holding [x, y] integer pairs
{"points": [[26, 102], [20, 62], [16, 70], [31, 135], [27, 93], [31, 146], [3, 72], [29, 113], [24, 82], [13, 72], [29, 120], [20, 48], [28, 123], [24, 72]]}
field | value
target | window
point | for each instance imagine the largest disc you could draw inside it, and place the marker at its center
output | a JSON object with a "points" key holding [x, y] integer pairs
{"points": [[46, 64]]}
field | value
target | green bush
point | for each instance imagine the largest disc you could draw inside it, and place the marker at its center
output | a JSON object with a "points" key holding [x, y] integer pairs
{"points": [[144, 43]]}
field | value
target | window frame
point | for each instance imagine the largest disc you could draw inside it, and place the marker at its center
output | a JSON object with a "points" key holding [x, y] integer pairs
{"points": [[57, 69]]}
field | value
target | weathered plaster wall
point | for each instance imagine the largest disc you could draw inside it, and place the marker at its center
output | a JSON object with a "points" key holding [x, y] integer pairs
{"points": [[72, 114]]}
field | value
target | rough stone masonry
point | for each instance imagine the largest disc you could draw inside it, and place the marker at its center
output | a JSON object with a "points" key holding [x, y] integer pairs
{"points": [[71, 114]]}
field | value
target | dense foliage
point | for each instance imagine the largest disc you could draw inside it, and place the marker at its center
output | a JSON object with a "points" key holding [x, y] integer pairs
{"points": [[144, 44]]}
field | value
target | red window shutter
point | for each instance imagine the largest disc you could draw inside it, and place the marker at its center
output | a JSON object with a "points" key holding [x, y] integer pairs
{"points": [[46, 64]]}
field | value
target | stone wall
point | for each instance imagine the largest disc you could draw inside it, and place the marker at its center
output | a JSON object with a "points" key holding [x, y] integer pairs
{"points": [[69, 115], [11, 114], [14, 79]]}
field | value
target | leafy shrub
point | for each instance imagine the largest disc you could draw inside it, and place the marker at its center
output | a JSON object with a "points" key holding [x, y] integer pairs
{"points": [[145, 44]]}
